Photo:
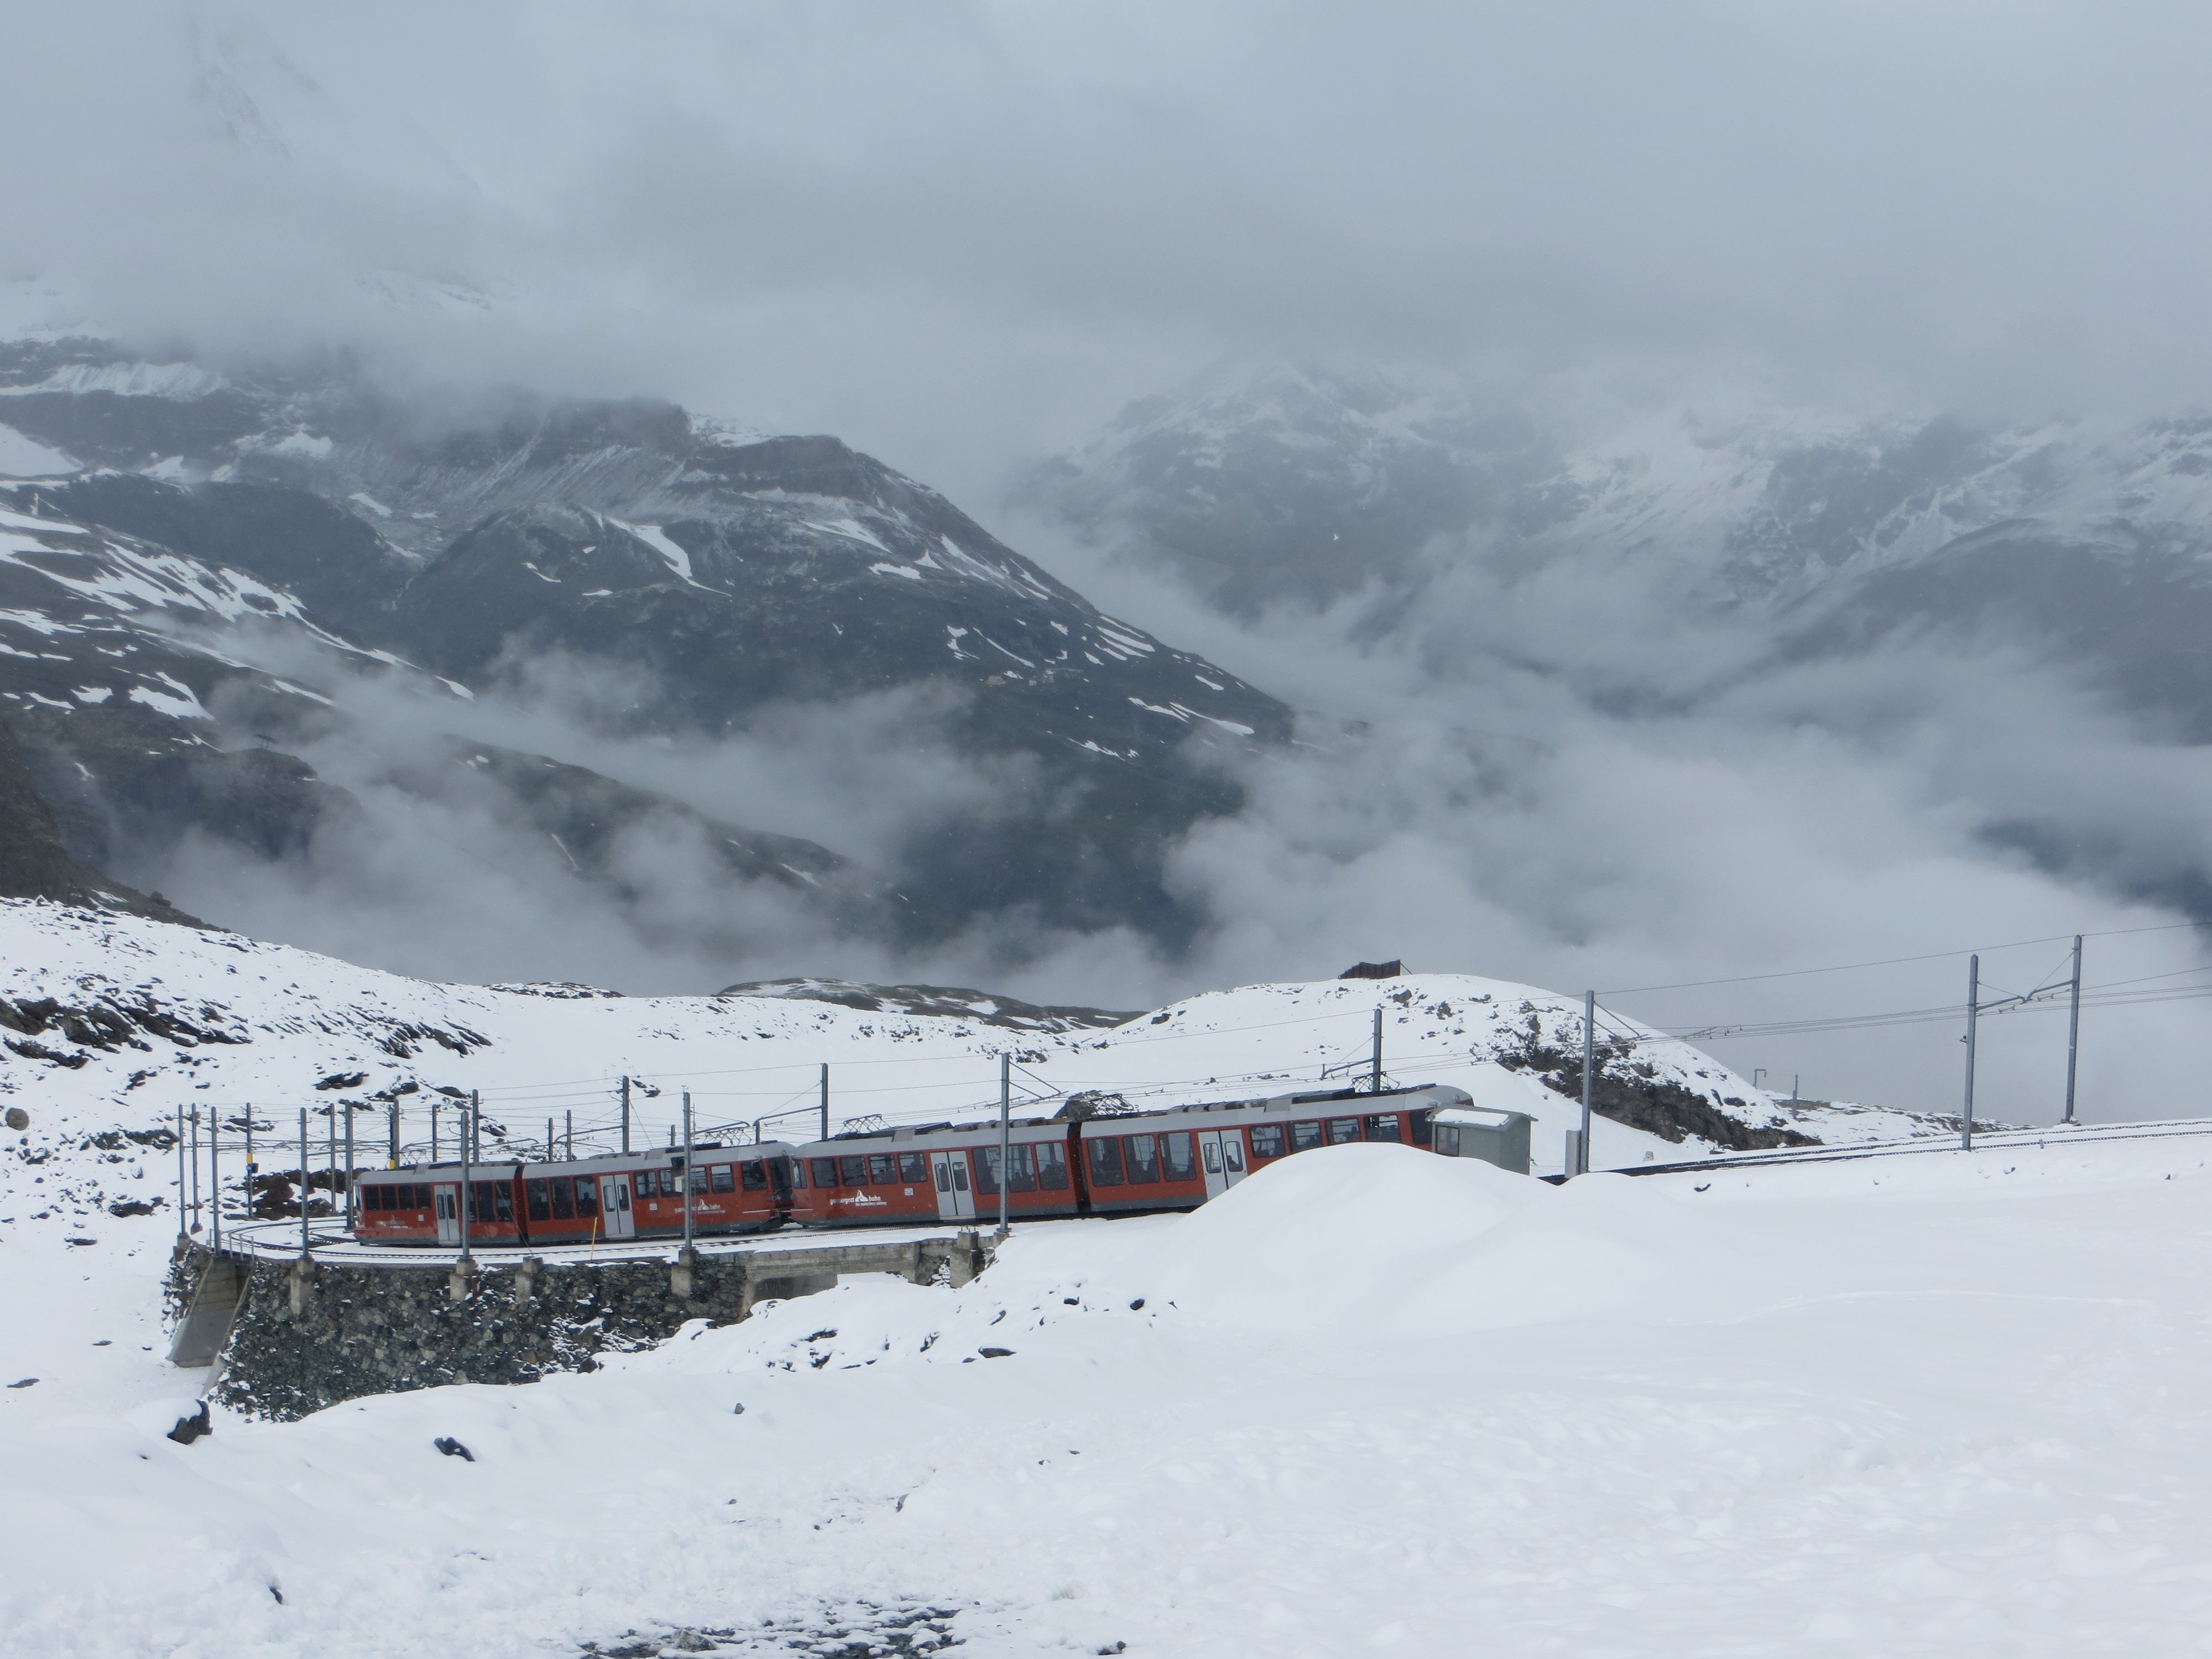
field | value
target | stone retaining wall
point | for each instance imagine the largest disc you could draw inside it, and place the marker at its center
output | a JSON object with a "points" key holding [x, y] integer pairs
{"points": [[310, 1335]]}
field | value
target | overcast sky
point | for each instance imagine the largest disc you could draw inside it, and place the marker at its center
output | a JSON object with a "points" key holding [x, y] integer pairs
{"points": [[950, 232], [957, 235]]}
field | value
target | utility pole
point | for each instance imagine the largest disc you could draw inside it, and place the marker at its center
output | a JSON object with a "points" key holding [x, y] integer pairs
{"points": [[1793, 1088], [1974, 1010], [303, 1182], [1375, 1075], [625, 1114], [433, 1131], [686, 1173], [2073, 1031], [1005, 1132], [250, 1166], [568, 1140], [394, 1162], [214, 1175], [1589, 1064], [334, 1139], [552, 1146], [196, 1169], [184, 1206], [349, 1166], [825, 1100], [468, 1136]]}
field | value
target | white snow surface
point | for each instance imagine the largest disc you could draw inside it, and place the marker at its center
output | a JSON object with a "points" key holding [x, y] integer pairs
{"points": [[22, 456], [1373, 1401], [1932, 1402]]}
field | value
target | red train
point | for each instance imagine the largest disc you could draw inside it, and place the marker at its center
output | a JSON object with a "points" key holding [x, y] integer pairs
{"points": [[1174, 1159]]}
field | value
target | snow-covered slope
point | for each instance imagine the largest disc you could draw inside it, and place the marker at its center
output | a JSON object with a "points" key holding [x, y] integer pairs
{"points": [[1368, 1401], [117, 1023]]}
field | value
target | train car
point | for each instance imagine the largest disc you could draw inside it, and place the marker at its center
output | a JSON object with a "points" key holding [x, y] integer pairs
{"points": [[934, 1172], [1178, 1158], [1173, 1159], [733, 1189], [614, 1196]]}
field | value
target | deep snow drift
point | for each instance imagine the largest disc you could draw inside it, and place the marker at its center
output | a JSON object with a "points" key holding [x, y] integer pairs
{"points": [[1370, 1401]]}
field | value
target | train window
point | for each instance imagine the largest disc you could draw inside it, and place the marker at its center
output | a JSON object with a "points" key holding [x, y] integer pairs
{"points": [[755, 1176], [1141, 1157], [1212, 1148], [538, 1200], [1341, 1129], [1448, 1139], [1383, 1126], [826, 1170], [852, 1171], [987, 1169], [1304, 1137], [587, 1197], [882, 1169], [1052, 1166], [724, 1178], [645, 1184], [1024, 1176], [503, 1201], [1105, 1160], [1232, 1150], [1175, 1161], [564, 1199], [1420, 1120], [945, 1177], [372, 1198], [1267, 1140], [913, 1166], [698, 1177]]}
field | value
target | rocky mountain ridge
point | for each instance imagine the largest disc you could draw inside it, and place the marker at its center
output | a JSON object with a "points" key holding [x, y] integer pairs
{"points": [[714, 576]]}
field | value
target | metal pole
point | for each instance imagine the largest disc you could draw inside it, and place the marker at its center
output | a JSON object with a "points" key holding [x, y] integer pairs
{"points": [[552, 1146], [625, 1114], [687, 1174], [1974, 1010], [184, 1205], [1006, 1134], [303, 1181], [249, 1159], [196, 1169], [215, 1176], [569, 1141], [394, 1154], [433, 1131], [2073, 1031], [334, 1139], [1793, 1088], [1374, 1079], [1589, 1065], [349, 1167], [468, 1136], [825, 1100]]}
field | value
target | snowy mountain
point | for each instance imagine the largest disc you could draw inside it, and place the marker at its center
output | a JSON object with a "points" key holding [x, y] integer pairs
{"points": [[181, 522], [1363, 1351], [115, 1023], [1833, 532]]}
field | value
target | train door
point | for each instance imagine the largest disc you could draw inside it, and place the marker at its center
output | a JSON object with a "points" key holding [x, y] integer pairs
{"points": [[1222, 1153], [1209, 1158], [449, 1215], [955, 1202], [614, 1206]]}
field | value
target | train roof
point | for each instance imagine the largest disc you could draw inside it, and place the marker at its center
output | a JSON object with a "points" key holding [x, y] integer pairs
{"points": [[598, 1163], [859, 1140]]}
